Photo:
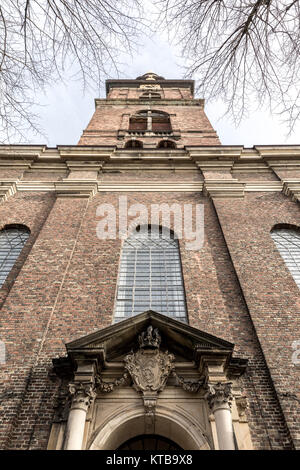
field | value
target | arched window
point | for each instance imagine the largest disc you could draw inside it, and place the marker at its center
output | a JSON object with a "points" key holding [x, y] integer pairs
{"points": [[151, 120], [287, 240], [150, 275], [12, 240], [160, 121], [166, 144], [134, 144]]}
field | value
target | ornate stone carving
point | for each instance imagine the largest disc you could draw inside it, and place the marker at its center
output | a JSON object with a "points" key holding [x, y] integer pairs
{"points": [[219, 395], [82, 395], [188, 385], [61, 407], [107, 387], [149, 368], [150, 338], [150, 403], [242, 405]]}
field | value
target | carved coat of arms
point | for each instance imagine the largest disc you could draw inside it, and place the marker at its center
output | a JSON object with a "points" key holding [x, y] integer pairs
{"points": [[149, 367]]}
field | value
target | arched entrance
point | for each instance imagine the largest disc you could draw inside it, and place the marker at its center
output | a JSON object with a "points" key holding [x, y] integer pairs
{"points": [[149, 442], [176, 427]]}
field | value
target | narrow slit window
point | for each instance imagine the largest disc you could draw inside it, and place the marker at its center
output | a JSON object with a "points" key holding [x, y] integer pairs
{"points": [[150, 276]]}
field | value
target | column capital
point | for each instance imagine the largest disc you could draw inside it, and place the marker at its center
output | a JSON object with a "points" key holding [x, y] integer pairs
{"points": [[83, 394], [219, 395]]}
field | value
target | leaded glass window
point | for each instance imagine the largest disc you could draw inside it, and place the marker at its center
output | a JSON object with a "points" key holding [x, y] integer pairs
{"points": [[12, 240], [150, 276], [287, 241]]}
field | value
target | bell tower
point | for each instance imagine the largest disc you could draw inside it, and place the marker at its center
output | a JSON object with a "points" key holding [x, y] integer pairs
{"points": [[149, 112]]}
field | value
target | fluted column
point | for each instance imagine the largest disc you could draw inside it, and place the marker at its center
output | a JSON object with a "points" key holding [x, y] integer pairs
{"points": [[83, 395], [219, 398]]}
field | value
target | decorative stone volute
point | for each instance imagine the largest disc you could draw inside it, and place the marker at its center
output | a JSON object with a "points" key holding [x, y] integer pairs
{"points": [[82, 395], [219, 395]]}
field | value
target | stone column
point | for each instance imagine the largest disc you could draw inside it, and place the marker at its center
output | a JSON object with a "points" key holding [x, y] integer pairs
{"points": [[83, 396], [219, 398]]}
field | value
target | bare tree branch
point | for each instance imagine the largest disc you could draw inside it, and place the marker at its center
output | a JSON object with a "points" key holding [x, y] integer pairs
{"points": [[239, 50], [39, 39]]}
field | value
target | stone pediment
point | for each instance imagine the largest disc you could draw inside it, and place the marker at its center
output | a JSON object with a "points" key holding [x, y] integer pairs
{"points": [[113, 342]]}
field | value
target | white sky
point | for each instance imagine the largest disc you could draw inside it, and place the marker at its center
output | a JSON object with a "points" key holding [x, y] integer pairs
{"points": [[66, 111]]}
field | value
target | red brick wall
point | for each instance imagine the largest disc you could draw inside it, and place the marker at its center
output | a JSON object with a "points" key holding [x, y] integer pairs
{"points": [[66, 289], [272, 296]]}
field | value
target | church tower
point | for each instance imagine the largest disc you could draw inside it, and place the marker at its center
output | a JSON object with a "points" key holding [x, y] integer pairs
{"points": [[149, 283], [149, 112]]}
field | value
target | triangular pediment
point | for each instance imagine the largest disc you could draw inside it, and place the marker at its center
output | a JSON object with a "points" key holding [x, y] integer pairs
{"points": [[177, 337]]}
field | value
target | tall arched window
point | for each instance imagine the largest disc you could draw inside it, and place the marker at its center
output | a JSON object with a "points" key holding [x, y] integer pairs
{"points": [[150, 276], [12, 240], [287, 240]]}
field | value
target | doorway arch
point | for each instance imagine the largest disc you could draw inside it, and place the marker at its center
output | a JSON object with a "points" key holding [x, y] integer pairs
{"points": [[149, 442], [174, 425]]}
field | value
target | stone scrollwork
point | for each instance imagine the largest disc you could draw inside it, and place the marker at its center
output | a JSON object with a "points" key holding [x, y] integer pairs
{"points": [[219, 394]]}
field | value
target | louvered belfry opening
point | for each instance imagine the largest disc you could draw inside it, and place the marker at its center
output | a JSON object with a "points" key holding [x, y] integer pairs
{"points": [[152, 121]]}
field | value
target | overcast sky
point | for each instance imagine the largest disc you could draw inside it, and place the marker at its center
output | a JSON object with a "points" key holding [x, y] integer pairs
{"points": [[66, 111]]}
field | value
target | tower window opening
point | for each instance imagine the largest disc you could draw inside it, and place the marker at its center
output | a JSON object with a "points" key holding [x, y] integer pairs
{"points": [[134, 144], [166, 144], [153, 121]]}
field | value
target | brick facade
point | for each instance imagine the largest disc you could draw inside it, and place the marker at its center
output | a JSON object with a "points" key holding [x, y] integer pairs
{"points": [[63, 285]]}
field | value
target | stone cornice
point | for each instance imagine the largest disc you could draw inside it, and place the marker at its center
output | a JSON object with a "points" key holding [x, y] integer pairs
{"points": [[140, 102], [88, 188], [155, 186], [24, 156], [224, 188], [291, 188], [211, 160], [270, 152], [164, 83], [7, 189]]}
